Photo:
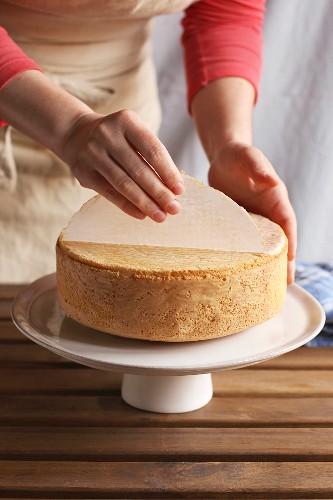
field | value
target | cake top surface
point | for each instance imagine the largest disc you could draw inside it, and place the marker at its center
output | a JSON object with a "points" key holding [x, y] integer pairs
{"points": [[208, 219], [174, 260], [211, 232]]}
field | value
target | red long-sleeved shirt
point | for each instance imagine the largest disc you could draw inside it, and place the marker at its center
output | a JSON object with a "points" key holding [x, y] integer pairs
{"points": [[220, 38], [12, 59]]}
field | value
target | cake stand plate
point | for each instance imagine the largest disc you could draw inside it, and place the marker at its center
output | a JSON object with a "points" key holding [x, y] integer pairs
{"points": [[158, 376]]}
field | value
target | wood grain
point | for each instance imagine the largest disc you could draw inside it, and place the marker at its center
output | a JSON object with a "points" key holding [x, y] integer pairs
{"points": [[9, 291], [66, 433], [188, 444], [5, 309], [67, 380], [21, 355], [243, 382], [304, 358], [105, 411], [261, 382], [9, 333], [166, 480]]}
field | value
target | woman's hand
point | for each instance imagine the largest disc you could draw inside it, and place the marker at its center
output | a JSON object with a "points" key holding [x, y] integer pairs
{"points": [[222, 111], [117, 156], [244, 174]]}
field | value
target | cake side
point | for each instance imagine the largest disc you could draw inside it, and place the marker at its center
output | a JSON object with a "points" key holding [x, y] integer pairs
{"points": [[168, 294]]}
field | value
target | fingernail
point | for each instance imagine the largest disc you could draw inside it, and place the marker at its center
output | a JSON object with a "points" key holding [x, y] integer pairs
{"points": [[178, 188], [173, 207], [159, 216]]}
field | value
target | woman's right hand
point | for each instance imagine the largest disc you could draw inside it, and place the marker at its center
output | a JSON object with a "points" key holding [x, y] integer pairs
{"points": [[115, 155], [120, 158]]}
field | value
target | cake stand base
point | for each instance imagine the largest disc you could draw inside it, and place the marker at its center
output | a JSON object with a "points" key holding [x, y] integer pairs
{"points": [[164, 377], [167, 393]]}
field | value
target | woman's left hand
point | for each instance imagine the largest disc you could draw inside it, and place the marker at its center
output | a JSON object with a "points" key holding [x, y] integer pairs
{"points": [[244, 174]]}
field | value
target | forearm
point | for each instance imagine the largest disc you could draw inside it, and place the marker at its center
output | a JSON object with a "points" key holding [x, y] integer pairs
{"points": [[110, 154], [41, 110], [222, 111]]}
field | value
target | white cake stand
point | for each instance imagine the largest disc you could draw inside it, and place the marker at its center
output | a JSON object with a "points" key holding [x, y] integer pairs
{"points": [[164, 377]]}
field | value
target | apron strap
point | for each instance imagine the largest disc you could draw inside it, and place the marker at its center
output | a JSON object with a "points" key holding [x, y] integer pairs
{"points": [[8, 171]]}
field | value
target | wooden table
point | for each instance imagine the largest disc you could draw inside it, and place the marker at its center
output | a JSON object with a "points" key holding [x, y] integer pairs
{"points": [[66, 433]]}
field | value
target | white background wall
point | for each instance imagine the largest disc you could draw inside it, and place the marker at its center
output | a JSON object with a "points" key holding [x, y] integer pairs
{"points": [[293, 120]]}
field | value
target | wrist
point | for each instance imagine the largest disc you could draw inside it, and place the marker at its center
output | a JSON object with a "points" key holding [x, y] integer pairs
{"points": [[222, 111], [231, 148], [40, 109], [77, 135]]}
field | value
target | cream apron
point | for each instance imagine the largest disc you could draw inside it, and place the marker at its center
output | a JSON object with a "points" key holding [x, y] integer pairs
{"points": [[99, 51]]}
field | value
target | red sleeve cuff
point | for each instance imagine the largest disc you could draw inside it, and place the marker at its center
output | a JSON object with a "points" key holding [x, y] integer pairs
{"points": [[12, 60], [222, 39]]}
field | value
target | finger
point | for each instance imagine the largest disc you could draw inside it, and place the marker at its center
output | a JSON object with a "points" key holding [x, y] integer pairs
{"points": [[121, 202], [94, 180], [259, 169], [144, 176], [263, 179], [291, 272], [127, 188], [284, 215], [154, 152], [288, 223]]}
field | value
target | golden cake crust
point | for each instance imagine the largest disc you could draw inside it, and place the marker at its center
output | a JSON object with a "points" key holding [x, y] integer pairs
{"points": [[172, 294]]}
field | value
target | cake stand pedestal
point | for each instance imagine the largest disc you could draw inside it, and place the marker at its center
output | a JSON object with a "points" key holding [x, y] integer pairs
{"points": [[164, 377], [168, 393]]}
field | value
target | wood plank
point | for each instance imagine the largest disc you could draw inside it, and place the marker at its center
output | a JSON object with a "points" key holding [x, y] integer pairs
{"points": [[318, 358], [111, 411], [167, 480], [304, 358], [22, 355], [65, 380], [9, 333], [9, 291], [244, 382], [6, 308], [144, 444], [269, 383]]}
